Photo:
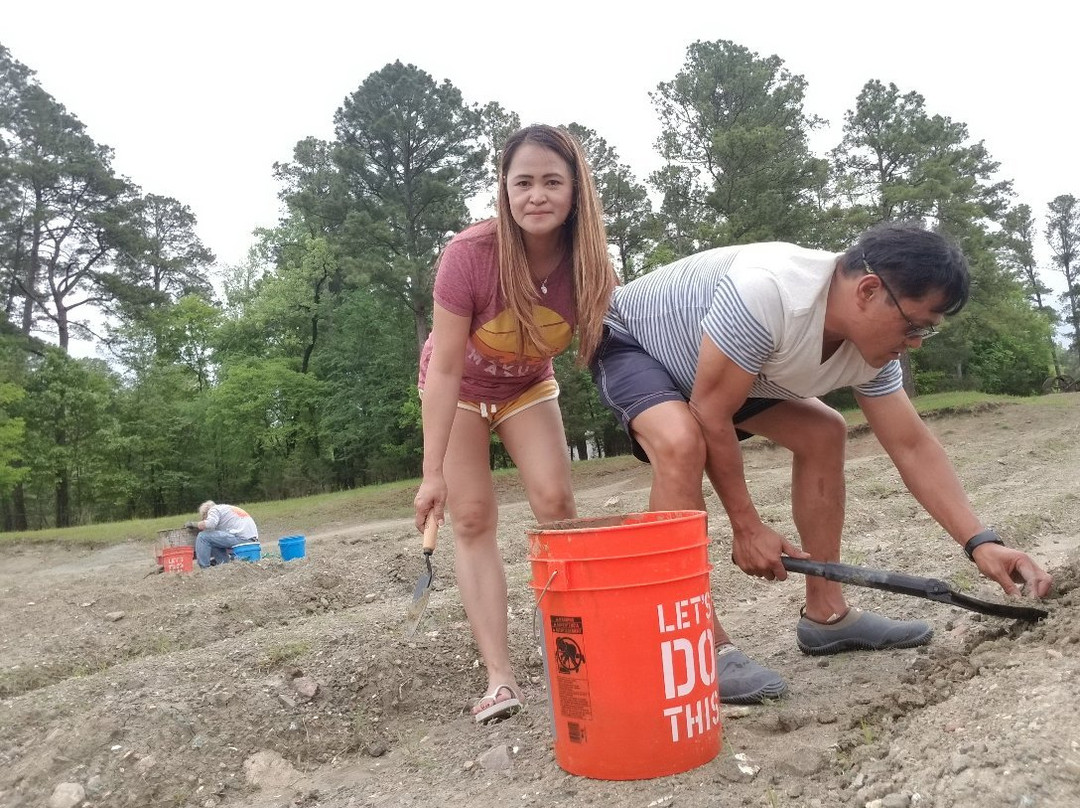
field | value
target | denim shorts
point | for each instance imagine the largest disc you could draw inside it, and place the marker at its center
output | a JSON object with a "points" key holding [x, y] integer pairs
{"points": [[630, 381]]}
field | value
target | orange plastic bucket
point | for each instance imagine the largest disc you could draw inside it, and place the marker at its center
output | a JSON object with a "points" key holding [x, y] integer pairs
{"points": [[176, 559], [626, 609]]}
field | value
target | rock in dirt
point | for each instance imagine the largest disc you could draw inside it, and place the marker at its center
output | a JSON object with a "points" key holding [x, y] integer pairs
{"points": [[114, 616], [738, 768], [305, 687], [803, 762], [269, 770], [95, 786], [67, 795], [497, 758], [891, 801]]}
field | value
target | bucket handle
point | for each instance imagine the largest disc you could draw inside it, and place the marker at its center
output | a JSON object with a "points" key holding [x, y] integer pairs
{"points": [[536, 608]]}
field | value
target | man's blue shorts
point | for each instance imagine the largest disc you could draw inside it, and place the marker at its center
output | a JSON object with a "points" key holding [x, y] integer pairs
{"points": [[630, 381]]}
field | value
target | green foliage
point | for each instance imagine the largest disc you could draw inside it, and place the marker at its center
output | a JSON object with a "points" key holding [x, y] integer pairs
{"points": [[262, 435], [1063, 236], [632, 227], [68, 412], [371, 410], [585, 419], [282, 311], [734, 135], [896, 161], [156, 452], [278, 655], [1005, 364], [66, 214], [12, 429], [998, 344], [410, 154], [159, 257]]}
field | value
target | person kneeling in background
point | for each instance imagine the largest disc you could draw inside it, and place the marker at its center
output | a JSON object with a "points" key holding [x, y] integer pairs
{"points": [[221, 527]]}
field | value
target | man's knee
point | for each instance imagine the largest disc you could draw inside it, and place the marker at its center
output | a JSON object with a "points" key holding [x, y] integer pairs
{"points": [[680, 445], [824, 436]]}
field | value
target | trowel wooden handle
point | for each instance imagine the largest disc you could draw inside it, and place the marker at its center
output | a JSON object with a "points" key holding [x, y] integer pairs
{"points": [[431, 532]]}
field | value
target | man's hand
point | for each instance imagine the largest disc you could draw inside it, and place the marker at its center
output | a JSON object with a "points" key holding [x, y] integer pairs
{"points": [[758, 553], [1009, 567], [191, 525]]}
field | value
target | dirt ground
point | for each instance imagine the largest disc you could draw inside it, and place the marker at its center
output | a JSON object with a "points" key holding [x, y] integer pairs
{"points": [[277, 684]]}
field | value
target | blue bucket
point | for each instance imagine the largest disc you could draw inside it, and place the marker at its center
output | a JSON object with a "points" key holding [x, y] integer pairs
{"points": [[291, 547], [251, 551]]}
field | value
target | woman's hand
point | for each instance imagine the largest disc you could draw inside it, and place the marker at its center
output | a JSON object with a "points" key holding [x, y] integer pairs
{"points": [[430, 498]]}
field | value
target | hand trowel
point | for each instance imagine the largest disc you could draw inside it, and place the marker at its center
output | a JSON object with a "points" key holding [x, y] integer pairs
{"points": [[427, 578]]}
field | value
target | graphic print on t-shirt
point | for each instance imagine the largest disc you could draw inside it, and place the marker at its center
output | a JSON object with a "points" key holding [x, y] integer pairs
{"points": [[494, 344]]}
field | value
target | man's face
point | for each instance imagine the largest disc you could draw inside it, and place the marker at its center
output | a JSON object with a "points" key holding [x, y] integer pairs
{"points": [[894, 325]]}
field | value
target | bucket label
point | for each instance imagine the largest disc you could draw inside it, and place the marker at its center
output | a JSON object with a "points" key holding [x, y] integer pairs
{"points": [[565, 625], [573, 690], [689, 666]]}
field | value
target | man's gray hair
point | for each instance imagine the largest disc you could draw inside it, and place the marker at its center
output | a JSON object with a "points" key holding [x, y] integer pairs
{"points": [[205, 508]]}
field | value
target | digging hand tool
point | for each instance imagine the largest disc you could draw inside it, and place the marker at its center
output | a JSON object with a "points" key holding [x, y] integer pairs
{"points": [[427, 578], [929, 588]]}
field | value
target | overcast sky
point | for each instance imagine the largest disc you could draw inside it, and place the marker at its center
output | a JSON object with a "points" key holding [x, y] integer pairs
{"points": [[198, 99]]}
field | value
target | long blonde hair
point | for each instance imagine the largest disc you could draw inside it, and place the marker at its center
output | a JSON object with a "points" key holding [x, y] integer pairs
{"points": [[593, 275]]}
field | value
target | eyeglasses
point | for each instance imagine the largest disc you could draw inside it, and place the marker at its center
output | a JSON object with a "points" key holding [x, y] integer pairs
{"points": [[916, 331]]}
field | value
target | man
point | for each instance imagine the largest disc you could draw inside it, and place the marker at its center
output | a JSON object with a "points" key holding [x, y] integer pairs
{"points": [[221, 527], [739, 341]]}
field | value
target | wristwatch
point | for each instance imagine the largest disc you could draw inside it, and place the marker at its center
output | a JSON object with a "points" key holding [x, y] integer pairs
{"points": [[987, 536]]}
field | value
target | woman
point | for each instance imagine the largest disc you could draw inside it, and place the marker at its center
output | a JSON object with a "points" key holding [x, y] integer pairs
{"points": [[509, 295]]}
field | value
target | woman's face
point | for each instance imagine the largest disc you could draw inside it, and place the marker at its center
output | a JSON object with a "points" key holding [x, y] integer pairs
{"points": [[540, 187]]}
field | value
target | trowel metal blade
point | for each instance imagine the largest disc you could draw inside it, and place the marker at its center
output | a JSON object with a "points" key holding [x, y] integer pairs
{"points": [[419, 603]]}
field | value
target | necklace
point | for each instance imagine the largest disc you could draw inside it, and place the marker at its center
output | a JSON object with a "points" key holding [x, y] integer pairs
{"points": [[543, 283]]}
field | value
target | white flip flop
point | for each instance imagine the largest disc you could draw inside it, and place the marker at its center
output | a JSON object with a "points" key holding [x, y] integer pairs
{"points": [[498, 710]]}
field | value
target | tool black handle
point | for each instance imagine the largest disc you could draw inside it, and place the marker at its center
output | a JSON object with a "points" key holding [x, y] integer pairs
{"points": [[901, 583], [865, 576]]}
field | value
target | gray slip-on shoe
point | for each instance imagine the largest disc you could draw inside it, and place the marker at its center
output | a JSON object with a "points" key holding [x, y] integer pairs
{"points": [[860, 631], [743, 681]]}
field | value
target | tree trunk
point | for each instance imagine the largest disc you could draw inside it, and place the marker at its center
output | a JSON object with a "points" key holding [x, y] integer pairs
{"points": [[63, 500], [909, 377], [14, 510], [1054, 353], [63, 332], [63, 485], [421, 330], [30, 279]]}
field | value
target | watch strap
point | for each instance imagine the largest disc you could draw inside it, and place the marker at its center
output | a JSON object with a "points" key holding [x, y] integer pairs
{"points": [[987, 536]]}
